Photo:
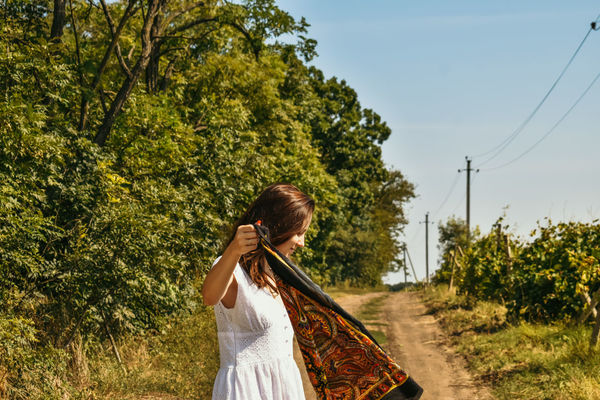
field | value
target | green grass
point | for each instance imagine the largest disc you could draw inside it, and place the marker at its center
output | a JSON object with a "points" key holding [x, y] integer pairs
{"points": [[345, 289], [369, 314], [524, 361]]}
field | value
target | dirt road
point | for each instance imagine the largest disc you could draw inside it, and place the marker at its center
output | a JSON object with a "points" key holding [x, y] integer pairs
{"points": [[418, 344]]}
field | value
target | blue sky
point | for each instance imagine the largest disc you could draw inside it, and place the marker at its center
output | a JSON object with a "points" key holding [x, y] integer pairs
{"points": [[454, 79]]}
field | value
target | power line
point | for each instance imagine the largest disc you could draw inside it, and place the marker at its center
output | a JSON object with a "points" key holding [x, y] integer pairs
{"points": [[500, 147], [551, 129], [459, 204], [462, 198], [448, 195], [417, 234], [450, 191]]}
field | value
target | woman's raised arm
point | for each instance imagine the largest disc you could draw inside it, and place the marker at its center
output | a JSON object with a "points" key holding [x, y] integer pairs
{"points": [[220, 283]]}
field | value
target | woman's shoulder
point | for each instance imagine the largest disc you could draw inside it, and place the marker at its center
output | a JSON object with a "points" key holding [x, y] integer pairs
{"points": [[238, 271]]}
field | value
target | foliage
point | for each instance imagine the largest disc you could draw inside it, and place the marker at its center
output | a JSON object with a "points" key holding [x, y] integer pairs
{"points": [[555, 269], [543, 280], [359, 242], [452, 235], [486, 269], [133, 134]]}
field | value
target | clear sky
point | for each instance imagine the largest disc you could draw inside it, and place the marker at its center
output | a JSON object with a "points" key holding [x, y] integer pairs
{"points": [[456, 78]]}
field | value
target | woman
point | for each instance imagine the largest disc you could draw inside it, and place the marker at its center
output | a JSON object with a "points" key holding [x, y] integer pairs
{"points": [[255, 333]]}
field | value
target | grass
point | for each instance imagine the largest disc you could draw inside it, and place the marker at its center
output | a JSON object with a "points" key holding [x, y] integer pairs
{"points": [[369, 314], [178, 363], [523, 361], [345, 289], [181, 363]]}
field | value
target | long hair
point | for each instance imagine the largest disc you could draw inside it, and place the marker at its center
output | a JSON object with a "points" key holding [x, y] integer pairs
{"points": [[283, 209]]}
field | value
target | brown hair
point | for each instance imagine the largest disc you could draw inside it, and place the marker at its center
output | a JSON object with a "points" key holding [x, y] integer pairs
{"points": [[283, 209]]}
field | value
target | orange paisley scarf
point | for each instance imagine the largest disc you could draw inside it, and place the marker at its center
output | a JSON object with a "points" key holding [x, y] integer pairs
{"points": [[343, 360]]}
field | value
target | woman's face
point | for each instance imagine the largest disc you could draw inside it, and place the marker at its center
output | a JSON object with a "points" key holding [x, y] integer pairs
{"points": [[297, 240]]}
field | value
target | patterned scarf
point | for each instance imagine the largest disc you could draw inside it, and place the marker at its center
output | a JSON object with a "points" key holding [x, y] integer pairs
{"points": [[343, 360]]}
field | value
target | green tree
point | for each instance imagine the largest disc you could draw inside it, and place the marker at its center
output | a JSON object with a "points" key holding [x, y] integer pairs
{"points": [[452, 235], [133, 134]]}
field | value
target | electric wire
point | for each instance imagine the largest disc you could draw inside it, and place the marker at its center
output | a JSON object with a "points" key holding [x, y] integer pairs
{"points": [[461, 202], [541, 139], [448, 195], [500, 147], [416, 233]]}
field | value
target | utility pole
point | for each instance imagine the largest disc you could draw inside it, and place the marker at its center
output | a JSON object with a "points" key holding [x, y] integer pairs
{"points": [[468, 169], [405, 266], [411, 264], [426, 222]]}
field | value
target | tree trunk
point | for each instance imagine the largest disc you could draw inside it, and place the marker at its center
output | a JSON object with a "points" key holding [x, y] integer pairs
{"points": [[58, 20], [117, 104], [595, 331], [116, 33], [129, 83], [152, 69], [164, 84]]}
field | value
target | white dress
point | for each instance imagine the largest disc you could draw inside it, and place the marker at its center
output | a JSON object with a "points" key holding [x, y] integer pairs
{"points": [[255, 347]]}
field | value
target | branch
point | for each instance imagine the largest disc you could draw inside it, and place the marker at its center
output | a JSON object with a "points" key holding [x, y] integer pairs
{"points": [[122, 62], [129, 83], [170, 49], [168, 73], [77, 324], [112, 342], [248, 37], [172, 17], [194, 38], [113, 43], [142, 9], [191, 24], [102, 100], [591, 305], [111, 25], [130, 52], [77, 52]]}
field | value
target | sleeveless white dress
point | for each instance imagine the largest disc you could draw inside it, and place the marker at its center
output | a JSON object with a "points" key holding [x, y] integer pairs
{"points": [[255, 347]]}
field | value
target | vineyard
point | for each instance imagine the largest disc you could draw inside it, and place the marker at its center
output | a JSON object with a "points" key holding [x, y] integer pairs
{"points": [[554, 277]]}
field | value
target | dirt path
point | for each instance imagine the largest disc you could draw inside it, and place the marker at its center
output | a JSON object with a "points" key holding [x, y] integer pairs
{"points": [[417, 343]]}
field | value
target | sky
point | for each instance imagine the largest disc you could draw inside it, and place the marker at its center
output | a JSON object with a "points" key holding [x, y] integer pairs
{"points": [[455, 79]]}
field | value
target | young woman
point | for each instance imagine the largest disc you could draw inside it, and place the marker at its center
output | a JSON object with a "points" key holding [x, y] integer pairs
{"points": [[255, 333]]}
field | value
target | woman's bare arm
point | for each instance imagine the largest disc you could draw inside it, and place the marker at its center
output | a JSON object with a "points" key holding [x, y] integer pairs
{"points": [[220, 283]]}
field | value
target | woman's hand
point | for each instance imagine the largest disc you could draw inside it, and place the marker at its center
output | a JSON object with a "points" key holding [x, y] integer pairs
{"points": [[244, 241]]}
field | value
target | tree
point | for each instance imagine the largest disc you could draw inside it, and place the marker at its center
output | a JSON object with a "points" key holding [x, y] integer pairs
{"points": [[452, 235]]}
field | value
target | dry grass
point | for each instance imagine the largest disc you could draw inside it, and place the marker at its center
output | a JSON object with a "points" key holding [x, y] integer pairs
{"points": [[178, 364]]}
